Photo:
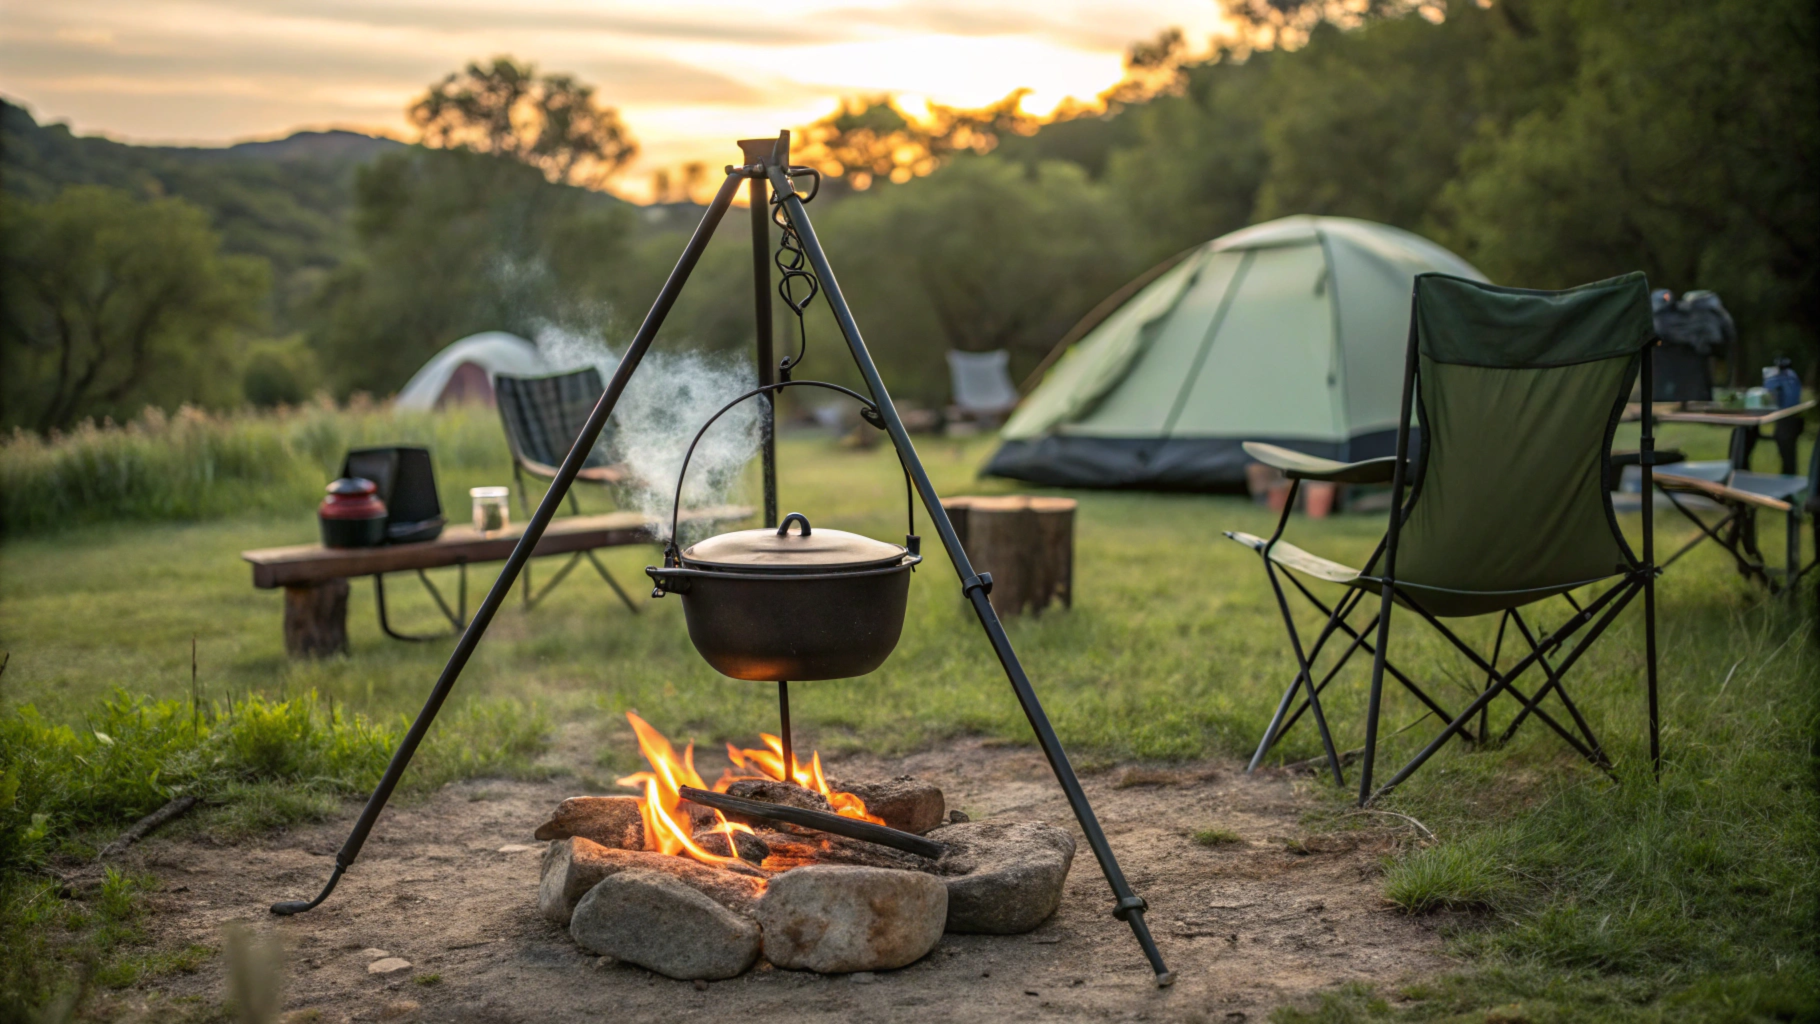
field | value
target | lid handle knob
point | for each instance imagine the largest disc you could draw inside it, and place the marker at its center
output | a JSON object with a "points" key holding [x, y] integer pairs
{"points": [[783, 528]]}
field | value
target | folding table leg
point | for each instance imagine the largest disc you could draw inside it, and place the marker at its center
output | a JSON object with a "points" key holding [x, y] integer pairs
{"points": [[1791, 569]]}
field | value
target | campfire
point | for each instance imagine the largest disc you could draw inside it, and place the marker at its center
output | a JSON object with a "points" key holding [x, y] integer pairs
{"points": [[663, 814], [696, 881]]}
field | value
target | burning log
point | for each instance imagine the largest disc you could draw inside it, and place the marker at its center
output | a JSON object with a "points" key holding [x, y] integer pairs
{"points": [[746, 845], [852, 828], [906, 803]]}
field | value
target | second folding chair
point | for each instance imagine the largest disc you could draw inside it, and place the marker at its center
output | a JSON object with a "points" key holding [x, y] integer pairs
{"points": [[543, 416]]}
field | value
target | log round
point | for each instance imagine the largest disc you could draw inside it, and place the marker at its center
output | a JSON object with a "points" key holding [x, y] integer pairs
{"points": [[1025, 542]]}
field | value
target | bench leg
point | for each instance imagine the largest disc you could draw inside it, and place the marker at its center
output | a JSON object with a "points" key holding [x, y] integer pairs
{"points": [[316, 619]]}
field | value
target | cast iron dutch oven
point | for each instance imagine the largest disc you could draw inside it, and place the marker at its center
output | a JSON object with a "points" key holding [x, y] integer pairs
{"points": [[789, 604], [792, 604]]}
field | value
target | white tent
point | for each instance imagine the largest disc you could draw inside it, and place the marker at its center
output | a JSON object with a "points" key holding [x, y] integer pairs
{"points": [[465, 370], [1291, 332]]}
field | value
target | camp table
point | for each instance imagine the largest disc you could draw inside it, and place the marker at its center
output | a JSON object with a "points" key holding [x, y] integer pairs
{"points": [[315, 578], [1741, 493]]}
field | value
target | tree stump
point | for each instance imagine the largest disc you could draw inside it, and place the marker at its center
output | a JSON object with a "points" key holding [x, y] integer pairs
{"points": [[1026, 543], [316, 619]]}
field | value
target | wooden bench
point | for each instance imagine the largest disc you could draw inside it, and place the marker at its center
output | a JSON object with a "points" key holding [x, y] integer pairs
{"points": [[315, 578]]}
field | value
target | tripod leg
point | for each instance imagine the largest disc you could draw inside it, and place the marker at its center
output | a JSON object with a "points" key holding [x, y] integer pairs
{"points": [[1129, 907], [527, 542]]}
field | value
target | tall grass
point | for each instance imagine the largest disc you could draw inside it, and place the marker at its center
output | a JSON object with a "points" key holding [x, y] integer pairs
{"points": [[197, 465]]}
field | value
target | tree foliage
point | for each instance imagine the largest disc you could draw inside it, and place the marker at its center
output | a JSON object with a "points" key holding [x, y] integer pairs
{"points": [[870, 139], [987, 254], [451, 243], [113, 304], [552, 122]]}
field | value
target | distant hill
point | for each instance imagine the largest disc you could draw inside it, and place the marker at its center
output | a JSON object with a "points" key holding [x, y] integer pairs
{"points": [[287, 200], [335, 147]]}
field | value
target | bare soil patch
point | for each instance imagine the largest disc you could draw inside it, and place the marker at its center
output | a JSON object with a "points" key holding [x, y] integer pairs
{"points": [[450, 886]]}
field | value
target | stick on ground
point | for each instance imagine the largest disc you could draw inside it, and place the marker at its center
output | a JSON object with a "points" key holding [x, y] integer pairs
{"points": [[177, 808]]}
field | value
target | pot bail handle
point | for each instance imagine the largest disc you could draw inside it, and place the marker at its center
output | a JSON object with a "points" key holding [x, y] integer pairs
{"points": [[783, 528]]}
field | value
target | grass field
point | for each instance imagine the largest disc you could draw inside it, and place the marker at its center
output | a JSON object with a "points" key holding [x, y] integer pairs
{"points": [[1571, 897]]}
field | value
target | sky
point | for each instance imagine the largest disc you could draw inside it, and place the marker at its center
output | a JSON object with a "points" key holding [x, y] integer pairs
{"points": [[688, 76]]}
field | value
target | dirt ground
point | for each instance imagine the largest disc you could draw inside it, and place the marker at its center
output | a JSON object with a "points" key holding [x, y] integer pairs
{"points": [[449, 885]]}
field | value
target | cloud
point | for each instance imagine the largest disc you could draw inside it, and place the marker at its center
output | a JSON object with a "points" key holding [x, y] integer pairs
{"points": [[686, 74]]}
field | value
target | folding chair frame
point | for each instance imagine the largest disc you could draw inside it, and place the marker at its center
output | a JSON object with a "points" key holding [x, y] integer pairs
{"points": [[1600, 612], [531, 595]]}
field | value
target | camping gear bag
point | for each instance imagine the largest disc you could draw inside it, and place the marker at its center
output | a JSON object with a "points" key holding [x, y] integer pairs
{"points": [[406, 483]]}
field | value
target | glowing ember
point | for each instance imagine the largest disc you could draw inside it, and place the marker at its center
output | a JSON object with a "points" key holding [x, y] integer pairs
{"points": [[667, 829]]}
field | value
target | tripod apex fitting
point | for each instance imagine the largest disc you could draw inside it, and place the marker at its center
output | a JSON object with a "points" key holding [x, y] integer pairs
{"points": [[772, 193]]}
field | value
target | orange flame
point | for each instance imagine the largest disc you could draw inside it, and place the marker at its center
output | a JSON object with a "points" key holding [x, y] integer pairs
{"points": [[667, 828], [662, 786], [771, 763]]}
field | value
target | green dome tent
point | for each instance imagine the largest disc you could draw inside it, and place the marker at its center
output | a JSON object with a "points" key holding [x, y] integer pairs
{"points": [[1291, 332]]}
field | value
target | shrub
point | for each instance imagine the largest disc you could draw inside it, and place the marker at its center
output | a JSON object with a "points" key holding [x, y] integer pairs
{"points": [[195, 465]]}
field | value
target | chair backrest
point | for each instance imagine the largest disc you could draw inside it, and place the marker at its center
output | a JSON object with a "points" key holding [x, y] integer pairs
{"points": [[981, 381], [1520, 393], [544, 415]]}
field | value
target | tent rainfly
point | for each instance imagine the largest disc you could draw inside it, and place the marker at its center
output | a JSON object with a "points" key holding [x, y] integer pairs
{"points": [[1291, 332], [464, 371]]}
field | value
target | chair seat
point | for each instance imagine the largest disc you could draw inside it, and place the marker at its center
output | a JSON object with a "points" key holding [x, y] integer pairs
{"points": [[1291, 557], [1439, 601], [1721, 492], [591, 474]]}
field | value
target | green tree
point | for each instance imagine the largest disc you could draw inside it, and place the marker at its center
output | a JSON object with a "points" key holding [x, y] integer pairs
{"points": [[984, 254], [551, 122], [1684, 144], [113, 304], [1369, 122], [451, 243], [1195, 161], [872, 139]]}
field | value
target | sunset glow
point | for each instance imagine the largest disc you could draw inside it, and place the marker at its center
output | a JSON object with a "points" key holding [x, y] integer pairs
{"points": [[688, 77]]}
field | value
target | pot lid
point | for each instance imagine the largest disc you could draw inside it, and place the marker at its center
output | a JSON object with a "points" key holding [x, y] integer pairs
{"points": [[786, 549]]}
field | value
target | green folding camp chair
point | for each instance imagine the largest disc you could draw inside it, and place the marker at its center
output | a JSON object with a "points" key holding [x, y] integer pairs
{"points": [[1504, 499]]}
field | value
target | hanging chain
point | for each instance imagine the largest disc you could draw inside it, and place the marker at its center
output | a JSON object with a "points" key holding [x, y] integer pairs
{"points": [[792, 263]]}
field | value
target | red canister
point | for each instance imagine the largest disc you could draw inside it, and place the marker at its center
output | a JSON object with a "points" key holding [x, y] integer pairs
{"points": [[352, 516]]}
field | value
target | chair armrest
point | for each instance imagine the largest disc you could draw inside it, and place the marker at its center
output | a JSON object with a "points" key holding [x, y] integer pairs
{"points": [[1717, 492], [1633, 457], [1297, 466]]}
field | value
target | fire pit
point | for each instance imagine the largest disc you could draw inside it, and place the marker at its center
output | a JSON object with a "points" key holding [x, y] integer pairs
{"points": [[820, 637], [695, 881]]}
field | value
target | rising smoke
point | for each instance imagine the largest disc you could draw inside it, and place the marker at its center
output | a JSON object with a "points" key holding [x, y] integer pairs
{"points": [[664, 404]]}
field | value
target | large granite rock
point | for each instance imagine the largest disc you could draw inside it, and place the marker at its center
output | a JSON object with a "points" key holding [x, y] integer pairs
{"points": [[572, 867], [652, 919], [907, 803], [840, 919], [1003, 877], [611, 821]]}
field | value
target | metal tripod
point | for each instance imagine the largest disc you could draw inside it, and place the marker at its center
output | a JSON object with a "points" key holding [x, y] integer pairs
{"points": [[767, 164]]}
